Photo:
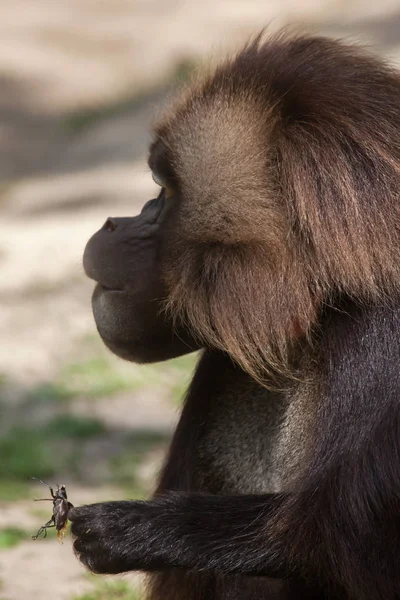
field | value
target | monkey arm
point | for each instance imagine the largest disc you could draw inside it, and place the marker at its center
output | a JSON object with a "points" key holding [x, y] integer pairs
{"points": [[202, 532]]}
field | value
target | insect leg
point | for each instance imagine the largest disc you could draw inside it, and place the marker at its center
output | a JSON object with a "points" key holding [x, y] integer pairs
{"points": [[44, 528]]}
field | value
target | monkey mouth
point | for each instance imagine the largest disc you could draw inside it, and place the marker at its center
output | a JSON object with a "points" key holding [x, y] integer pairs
{"points": [[101, 289], [105, 288]]}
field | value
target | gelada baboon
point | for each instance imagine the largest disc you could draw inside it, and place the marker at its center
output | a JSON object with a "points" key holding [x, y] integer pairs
{"points": [[274, 246]]}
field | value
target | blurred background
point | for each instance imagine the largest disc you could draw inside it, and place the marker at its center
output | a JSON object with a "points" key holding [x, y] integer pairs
{"points": [[80, 82]]}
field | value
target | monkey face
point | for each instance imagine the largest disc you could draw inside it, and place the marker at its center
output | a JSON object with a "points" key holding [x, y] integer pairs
{"points": [[122, 257]]}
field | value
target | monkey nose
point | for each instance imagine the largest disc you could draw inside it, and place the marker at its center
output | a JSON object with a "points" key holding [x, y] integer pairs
{"points": [[110, 225]]}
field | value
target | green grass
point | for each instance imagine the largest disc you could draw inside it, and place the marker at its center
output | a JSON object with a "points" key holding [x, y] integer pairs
{"points": [[12, 536], [49, 392], [99, 376], [71, 426], [43, 451], [13, 489], [25, 453], [58, 447], [111, 590], [91, 378], [96, 373], [104, 376]]}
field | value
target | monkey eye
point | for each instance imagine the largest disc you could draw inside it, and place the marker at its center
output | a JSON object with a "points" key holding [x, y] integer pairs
{"points": [[158, 180]]}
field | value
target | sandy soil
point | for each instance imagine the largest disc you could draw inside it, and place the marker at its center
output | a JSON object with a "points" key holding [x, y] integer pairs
{"points": [[58, 184]]}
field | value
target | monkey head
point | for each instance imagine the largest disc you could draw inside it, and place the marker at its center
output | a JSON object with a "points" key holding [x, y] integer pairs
{"points": [[277, 183]]}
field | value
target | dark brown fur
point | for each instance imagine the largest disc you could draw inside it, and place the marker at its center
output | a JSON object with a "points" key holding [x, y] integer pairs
{"points": [[275, 247], [287, 159]]}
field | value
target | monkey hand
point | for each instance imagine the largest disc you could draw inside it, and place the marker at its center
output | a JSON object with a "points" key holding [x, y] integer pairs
{"points": [[114, 537]]}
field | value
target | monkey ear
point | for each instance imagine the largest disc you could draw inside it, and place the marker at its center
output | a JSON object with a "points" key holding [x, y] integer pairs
{"points": [[242, 303]]}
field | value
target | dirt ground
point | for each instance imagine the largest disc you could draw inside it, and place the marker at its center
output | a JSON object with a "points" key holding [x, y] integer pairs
{"points": [[80, 83]]}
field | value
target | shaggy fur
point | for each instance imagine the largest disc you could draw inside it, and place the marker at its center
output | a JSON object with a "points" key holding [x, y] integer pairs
{"points": [[286, 159], [275, 247]]}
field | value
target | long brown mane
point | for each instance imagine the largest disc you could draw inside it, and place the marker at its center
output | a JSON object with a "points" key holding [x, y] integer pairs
{"points": [[306, 206]]}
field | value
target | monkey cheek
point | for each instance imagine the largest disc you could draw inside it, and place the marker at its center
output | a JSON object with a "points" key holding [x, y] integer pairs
{"points": [[112, 313]]}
